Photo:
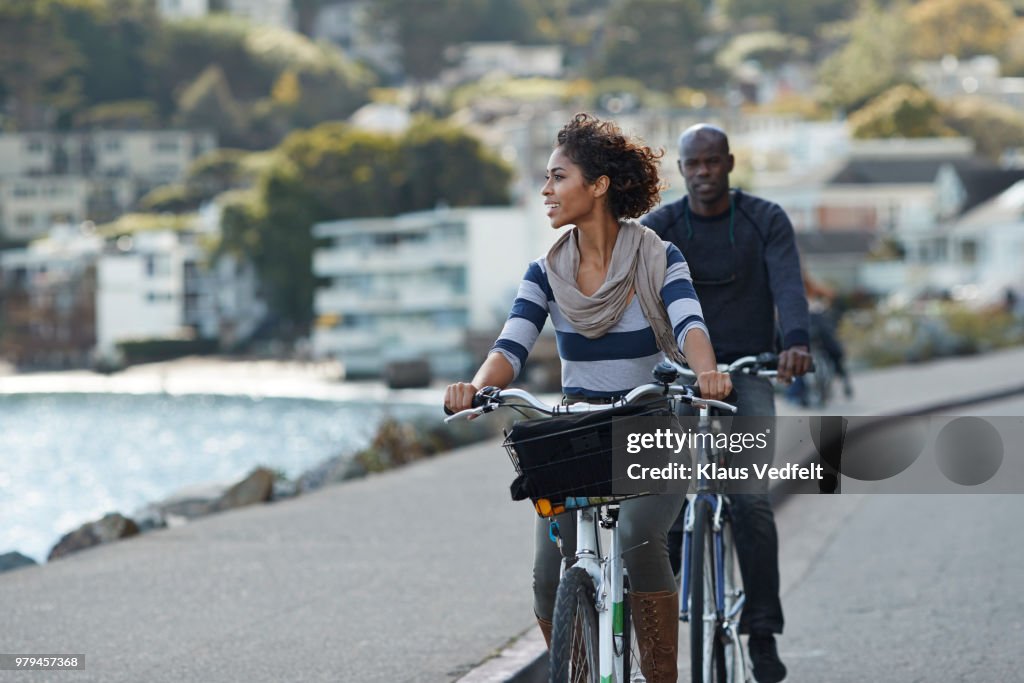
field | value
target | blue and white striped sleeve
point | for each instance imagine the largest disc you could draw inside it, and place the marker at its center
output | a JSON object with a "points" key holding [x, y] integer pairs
{"points": [[680, 298], [529, 313]]}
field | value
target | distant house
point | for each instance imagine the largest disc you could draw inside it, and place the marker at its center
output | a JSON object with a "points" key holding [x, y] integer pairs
{"points": [[977, 255], [47, 301], [69, 299], [51, 178], [413, 286], [503, 58], [903, 192], [981, 75], [183, 9], [349, 24], [835, 256]]}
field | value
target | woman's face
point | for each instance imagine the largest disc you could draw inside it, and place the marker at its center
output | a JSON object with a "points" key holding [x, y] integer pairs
{"points": [[568, 197]]}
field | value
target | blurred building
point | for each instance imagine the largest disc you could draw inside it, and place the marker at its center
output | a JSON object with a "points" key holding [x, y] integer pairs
{"points": [[183, 9], [413, 286], [951, 77], [51, 178], [349, 24], [277, 13], [69, 299], [47, 300], [504, 59]]}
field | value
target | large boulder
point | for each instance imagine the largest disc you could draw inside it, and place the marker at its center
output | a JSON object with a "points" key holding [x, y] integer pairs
{"points": [[15, 560], [112, 527], [257, 487]]}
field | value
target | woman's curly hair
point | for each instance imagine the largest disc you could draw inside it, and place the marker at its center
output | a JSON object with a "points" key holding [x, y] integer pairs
{"points": [[600, 148]]}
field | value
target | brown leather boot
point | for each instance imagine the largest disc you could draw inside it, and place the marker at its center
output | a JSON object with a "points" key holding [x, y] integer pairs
{"points": [[545, 629], [656, 622]]}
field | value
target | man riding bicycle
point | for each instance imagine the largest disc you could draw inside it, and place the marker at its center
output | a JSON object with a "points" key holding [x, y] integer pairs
{"points": [[746, 271]]}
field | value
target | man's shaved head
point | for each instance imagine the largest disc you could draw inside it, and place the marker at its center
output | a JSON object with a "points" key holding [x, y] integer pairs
{"points": [[705, 132]]}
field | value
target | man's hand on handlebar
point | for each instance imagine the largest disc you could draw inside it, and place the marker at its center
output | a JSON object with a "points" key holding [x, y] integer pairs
{"points": [[459, 396], [794, 362], [714, 385]]}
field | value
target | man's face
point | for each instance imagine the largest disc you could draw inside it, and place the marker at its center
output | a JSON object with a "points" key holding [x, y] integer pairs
{"points": [[705, 164]]}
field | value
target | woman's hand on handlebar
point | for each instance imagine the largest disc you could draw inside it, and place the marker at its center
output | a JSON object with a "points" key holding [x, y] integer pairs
{"points": [[714, 385], [459, 396]]}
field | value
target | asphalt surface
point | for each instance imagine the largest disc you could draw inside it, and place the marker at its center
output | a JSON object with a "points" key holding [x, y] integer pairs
{"points": [[423, 573]]}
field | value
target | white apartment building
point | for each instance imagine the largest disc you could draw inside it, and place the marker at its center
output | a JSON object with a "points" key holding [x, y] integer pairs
{"points": [[49, 178], [147, 289], [30, 206], [412, 286]]}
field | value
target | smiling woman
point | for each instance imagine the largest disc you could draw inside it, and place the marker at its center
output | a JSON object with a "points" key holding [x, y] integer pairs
{"points": [[596, 168], [619, 298]]}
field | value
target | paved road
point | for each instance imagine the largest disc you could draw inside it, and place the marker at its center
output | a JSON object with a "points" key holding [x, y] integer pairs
{"points": [[412, 575], [903, 588], [421, 573]]}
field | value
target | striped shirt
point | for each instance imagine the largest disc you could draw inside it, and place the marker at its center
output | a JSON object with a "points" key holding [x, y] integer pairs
{"points": [[619, 360]]}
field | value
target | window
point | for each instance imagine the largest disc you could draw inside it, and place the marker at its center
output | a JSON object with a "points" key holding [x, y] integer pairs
{"points": [[969, 251], [35, 146], [158, 265], [25, 220], [166, 146], [112, 145]]}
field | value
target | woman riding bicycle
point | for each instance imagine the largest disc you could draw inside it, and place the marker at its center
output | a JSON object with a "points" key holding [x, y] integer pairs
{"points": [[619, 297]]}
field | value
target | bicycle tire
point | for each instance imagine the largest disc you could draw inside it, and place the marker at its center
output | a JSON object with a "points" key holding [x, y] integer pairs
{"points": [[733, 666], [574, 637], [706, 646]]}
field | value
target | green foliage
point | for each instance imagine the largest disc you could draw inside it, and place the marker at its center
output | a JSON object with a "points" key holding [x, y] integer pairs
{"points": [[334, 171], [208, 103], [37, 63], [425, 29], [122, 114], [995, 127], [935, 330], [114, 38], [437, 161], [769, 48], [800, 17], [175, 198], [652, 41], [94, 62], [901, 112], [874, 58], [962, 28]]}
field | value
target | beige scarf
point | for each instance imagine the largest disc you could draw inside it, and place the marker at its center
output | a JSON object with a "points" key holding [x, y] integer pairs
{"points": [[638, 263]]}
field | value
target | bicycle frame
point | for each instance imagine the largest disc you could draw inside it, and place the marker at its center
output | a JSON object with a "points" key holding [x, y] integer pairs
{"points": [[726, 615], [607, 574]]}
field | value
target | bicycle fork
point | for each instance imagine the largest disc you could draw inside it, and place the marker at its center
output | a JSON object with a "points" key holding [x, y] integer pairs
{"points": [[606, 573]]}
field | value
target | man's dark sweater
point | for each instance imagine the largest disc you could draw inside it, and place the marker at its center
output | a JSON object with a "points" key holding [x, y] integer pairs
{"points": [[741, 282]]}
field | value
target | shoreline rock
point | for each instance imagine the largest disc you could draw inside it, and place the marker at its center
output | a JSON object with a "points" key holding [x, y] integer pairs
{"points": [[15, 560]]}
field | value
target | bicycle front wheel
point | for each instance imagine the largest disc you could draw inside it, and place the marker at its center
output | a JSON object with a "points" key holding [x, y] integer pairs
{"points": [[574, 638], [707, 654]]}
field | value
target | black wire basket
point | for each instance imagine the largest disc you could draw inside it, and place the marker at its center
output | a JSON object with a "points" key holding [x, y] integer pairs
{"points": [[566, 463]]}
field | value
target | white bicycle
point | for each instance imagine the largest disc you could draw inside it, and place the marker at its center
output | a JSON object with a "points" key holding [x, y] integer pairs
{"points": [[567, 466]]}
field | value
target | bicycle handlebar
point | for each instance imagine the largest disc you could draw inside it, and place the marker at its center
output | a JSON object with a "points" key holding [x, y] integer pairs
{"points": [[491, 398]]}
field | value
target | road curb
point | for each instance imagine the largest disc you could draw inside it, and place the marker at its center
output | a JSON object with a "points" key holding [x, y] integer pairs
{"points": [[526, 659]]}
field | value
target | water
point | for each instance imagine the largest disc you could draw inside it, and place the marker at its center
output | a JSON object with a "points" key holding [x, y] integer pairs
{"points": [[66, 459]]}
